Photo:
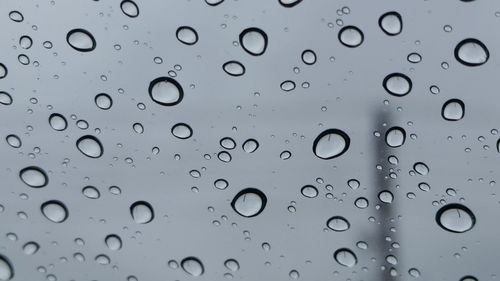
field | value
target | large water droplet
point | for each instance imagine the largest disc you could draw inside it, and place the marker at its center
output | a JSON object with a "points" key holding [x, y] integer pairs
{"points": [[16, 16], [182, 131], [192, 266], [338, 223], [309, 191], [57, 122], [391, 23], [129, 8], [397, 84], [254, 41], [81, 40], [166, 91], [90, 146], [103, 101], [142, 212], [234, 68], [345, 257], [395, 137], [331, 143], [214, 2], [13, 141], [249, 202], [455, 218], [289, 3], [250, 145], [453, 110], [91, 192], [187, 35], [54, 211], [3, 73], [351, 36], [30, 248], [6, 269], [34, 177], [232, 264], [114, 242], [309, 57], [471, 52]]}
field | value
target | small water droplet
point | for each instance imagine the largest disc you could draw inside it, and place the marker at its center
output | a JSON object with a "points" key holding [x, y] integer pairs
{"points": [[221, 184], [13, 141], [30, 248], [6, 269], [114, 242], [287, 85], [16, 16], [309, 191], [289, 3], [91, 192], [250, 145], [232, 265], [25, 42], [309, 57], [214, 2], [5, 97]]}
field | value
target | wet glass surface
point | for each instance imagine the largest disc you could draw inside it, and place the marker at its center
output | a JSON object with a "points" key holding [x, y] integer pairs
{"points": [[247, 140]]}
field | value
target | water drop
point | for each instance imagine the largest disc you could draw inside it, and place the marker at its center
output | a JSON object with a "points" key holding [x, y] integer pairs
{"points": [[351, 36], [182, 131], [397, 84], [414, 58], [187, 35], [289, 3], [232, 265], [103, 101], [361, 203], [254, 41], [16, 16], [455, 218], [81, 40], [421, 168], [453, 110], [129, 8], [166, 91], [468, 277], [234, 68], [345, 257], [25, 42], [142, 212], [34, 177], [90, 146], [331, 143], [91, 192], [309, 57], [5, 97], [114, 242], [227, 143], [3, 74], [338, 223], [309, 191], [249, 202], [391, 23], [471, 52], [57, 122], [30, 248], [192, 266], [6, 269], [395, 137], [54, 211], [285, 155], [214, 2], [13, 141], [221, 184], [250, 145]]}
